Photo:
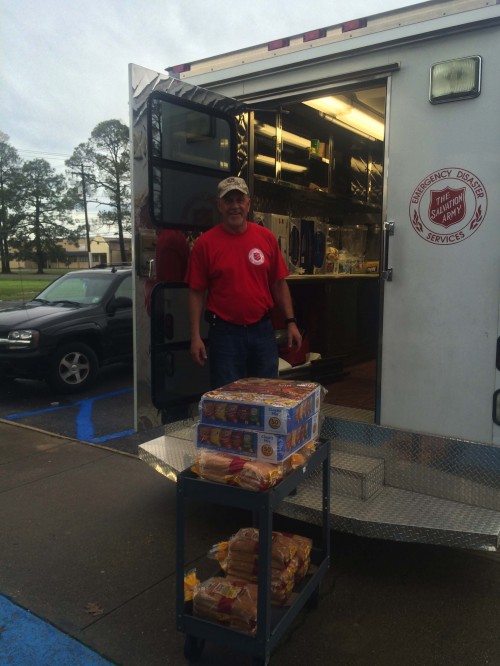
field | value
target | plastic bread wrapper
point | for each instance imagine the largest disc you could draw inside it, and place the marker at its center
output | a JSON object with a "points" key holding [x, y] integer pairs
{"points": [[228, 601], [290, 559], [248, 473]]}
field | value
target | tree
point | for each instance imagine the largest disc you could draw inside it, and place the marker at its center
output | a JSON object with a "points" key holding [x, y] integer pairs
{"points": [[10, 164], [106, 168], [45, 203]]}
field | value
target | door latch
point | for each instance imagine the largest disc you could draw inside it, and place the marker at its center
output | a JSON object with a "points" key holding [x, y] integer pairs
{"points": [[389, 227]]}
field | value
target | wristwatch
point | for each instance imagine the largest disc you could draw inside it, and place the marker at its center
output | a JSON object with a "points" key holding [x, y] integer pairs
{"points": [[291, 320]]}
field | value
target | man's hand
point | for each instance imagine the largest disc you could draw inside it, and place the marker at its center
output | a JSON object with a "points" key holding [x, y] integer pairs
{"points": [[294, 336], [198, 351]]}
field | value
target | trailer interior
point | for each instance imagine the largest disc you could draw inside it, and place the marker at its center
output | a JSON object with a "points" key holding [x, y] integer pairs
{"points": [[318, 164], [314, 166]]}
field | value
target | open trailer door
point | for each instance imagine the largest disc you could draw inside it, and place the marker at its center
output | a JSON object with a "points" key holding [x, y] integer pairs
{"points": [[185, 140]]}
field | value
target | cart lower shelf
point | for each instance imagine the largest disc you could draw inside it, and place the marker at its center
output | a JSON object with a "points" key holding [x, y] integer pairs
{"points": [[272, 621], [198, 630]]}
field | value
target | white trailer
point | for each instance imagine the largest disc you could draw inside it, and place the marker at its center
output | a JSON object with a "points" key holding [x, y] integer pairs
{"points": [[371, 148]]}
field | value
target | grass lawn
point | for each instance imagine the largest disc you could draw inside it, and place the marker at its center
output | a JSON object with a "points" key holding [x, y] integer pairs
{"points": [[25, 285]]}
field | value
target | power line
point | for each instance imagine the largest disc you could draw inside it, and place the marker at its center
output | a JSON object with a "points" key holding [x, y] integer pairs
{"points": [[59, 156]]}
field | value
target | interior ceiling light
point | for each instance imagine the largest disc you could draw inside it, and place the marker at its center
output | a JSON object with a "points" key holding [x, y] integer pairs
{"points": [[348, 116], [288, 137], [286, 166]]}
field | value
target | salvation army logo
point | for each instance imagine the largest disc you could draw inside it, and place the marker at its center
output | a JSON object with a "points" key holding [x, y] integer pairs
{"points": [[256, 256], [448, 206]]}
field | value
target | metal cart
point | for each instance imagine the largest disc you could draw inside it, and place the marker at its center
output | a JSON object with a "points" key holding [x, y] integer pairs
{"points": [[272, 621]]}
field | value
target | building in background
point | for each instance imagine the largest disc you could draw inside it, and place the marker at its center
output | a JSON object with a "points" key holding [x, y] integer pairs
{"points": [[103, 250]]}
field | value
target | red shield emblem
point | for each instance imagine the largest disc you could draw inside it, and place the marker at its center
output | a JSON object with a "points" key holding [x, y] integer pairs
{"points": [[447, 207]]}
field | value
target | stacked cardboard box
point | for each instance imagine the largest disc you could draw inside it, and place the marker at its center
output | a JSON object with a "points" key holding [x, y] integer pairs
{"points": [[257, 426]]}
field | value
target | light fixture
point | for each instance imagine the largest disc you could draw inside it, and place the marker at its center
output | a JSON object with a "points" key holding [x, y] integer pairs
{"points": [[348, 116], [285, 166], [350, 128], [265, 159], [455, 79], [296, 168], [288, 137]]}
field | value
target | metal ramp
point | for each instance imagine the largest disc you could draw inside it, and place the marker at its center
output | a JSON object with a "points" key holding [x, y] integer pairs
{"points": [[385, 483]]}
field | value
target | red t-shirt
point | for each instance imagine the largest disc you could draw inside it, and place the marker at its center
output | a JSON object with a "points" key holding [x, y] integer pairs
{"points": [[237, 270]]}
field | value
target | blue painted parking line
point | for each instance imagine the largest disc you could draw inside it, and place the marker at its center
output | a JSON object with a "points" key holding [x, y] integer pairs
{"points": [[27, 640], [84, 425]]}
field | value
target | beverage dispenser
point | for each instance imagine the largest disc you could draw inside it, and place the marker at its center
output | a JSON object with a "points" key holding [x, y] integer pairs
{"points": [[332, 249], [354, 244]]}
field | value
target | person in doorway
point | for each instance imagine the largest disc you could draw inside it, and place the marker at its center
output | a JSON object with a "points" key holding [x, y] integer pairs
{"points": [[238, 268]]}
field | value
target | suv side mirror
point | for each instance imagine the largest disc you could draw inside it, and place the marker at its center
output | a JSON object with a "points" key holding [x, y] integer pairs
{"points": [[119, 303]]}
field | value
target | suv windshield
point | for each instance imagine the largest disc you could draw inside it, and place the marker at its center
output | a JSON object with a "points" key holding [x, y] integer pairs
{"points": [[80, 289]]}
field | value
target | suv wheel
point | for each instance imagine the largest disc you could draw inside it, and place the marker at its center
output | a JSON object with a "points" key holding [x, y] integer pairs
{"points": [[72, 368]]}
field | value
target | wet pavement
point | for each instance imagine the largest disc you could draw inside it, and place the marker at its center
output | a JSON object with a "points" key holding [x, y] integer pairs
{"points": [[103, 414], [88, 548]]}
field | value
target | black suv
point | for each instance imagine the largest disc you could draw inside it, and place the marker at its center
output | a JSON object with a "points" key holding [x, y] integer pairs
{"points": [[81, 321]]}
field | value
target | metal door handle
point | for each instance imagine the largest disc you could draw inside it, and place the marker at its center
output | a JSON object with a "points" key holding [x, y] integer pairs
{"points": [[387, 272]]}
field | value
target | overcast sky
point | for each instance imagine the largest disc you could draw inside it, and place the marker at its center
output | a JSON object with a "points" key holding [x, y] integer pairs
{"points": [[64, 63]]}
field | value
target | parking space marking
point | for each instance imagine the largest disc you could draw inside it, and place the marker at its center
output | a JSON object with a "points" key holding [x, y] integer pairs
{"points": [[27, 640], [84, 426]]}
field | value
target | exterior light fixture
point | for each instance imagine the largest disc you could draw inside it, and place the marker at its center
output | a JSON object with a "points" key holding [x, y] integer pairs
{"points": [[455, 79]]}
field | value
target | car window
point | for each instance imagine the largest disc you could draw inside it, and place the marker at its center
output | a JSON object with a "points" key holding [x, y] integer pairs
{"points": [[71, 289], [125, 288], [96, 286], [79, 288]]}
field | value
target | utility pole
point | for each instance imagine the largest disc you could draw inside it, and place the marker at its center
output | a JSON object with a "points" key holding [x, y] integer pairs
{"points": [[87, 229]]}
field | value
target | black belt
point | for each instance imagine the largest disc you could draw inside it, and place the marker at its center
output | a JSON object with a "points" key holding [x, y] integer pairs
{"points": [[213, 319]]}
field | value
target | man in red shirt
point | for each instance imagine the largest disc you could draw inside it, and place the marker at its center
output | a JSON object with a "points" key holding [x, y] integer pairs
{"points": [[238, 265]]}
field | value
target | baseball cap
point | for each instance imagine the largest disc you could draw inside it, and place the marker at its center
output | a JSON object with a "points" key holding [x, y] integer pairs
{"points": [[232, 183]]}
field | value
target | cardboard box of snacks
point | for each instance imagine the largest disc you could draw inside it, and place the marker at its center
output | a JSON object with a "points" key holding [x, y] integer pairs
{"points": [[266, 446], [263, 405]]}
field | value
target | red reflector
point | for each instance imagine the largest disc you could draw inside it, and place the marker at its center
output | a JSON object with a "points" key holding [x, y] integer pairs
{"points": [[354, 25], [314, 34], [178, 69], [278, 44]]}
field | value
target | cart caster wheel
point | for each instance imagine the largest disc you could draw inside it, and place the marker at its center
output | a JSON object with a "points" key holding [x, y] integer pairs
{"points": [[193, 647]]}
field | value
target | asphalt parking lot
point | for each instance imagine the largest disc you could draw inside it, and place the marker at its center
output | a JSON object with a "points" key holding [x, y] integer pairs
{"points": [[102, 415]]}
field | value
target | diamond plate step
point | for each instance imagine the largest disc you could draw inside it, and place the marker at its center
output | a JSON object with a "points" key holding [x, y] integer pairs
{"points": [[356, 476]]}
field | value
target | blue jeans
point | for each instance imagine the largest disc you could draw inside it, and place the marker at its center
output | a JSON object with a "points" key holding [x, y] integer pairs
{"points": [[241, 351]]}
